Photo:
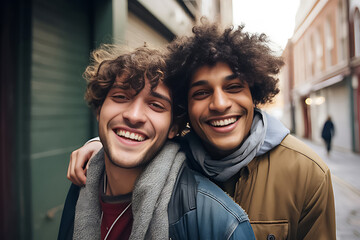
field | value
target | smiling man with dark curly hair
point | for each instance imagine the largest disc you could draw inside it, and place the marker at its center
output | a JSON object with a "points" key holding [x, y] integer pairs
{"points": [[281, 183]]}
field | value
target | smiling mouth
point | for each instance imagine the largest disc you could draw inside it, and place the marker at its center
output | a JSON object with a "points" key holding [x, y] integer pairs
{"points": [[223, 122], [130, 135]]}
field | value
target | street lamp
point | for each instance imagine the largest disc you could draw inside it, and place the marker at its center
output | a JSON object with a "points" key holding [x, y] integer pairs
{"points": [[316, 101]]}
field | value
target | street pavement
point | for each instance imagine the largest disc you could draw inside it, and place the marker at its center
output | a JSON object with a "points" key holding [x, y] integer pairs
{"points": [[345, 169]]}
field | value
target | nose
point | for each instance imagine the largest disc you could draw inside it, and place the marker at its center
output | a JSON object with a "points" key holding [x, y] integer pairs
{"points": [[220, 102], [135, 113]]}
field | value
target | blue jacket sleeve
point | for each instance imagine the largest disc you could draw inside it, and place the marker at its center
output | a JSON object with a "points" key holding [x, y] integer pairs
{"points": [[243, 231]]}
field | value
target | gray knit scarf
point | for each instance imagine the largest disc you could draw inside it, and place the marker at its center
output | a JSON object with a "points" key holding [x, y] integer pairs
{"points": [[222, 169], [150, 197]]}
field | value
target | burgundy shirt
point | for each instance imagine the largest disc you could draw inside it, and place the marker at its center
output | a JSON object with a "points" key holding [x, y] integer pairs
{"points": [[122, 228]]}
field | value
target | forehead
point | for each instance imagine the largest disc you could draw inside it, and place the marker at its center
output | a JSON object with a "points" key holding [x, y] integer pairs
{"points": [[207, 72], [123, 82]]}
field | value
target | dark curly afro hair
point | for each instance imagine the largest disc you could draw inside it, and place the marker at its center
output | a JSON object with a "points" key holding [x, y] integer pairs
{"points": [[248, 55]]}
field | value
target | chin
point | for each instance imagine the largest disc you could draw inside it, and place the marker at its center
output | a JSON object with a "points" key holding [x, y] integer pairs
{"points": [[224, 149]]}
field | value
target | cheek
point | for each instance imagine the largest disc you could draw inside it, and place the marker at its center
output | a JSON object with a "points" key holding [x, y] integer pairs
{"points": [[248, 99], [161, 124], [105, 118], [195, 109], [193, 118]]}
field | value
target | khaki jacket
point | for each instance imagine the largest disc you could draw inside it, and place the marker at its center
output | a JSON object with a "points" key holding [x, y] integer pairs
{"points": [[287, 193]]}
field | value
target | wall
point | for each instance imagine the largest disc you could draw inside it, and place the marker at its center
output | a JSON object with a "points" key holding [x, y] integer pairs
{"points": [[60, 119], [137, 32]]}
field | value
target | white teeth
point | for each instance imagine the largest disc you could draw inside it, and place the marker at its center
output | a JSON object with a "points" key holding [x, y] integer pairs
{"points": [[221, 123], [132, 136]]}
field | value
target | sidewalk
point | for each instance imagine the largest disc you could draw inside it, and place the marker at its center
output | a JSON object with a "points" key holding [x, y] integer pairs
{"points": [[344, 166]]}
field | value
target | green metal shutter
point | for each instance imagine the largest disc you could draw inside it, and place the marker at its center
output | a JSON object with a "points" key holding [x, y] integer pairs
{"points": [[60, 119]]}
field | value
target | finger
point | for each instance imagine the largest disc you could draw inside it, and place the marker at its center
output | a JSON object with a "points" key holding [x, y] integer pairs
{"points": [[72, 169], [68, 169], [69, 175], [80, 165]]}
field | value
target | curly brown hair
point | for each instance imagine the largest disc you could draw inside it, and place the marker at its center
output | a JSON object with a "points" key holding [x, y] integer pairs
{"points": [[111, 61], [248, 55]]}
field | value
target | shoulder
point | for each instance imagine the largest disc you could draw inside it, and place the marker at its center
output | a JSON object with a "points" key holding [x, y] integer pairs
{"points": [[296, 150], [200, 209], [194, 191], [218, 214], [212, 197], [292, 165], [296, 164]]}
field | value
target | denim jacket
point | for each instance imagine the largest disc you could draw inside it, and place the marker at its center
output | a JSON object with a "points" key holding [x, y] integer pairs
{"points": [[199, 209]]}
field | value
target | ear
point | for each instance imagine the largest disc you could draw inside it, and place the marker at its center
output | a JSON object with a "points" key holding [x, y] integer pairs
{"points": [[173, 131]]}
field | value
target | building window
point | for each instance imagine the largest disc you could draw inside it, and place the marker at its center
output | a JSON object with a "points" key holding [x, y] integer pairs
{"points": [[342, 31], [302, 64], [318, 51], [357, 32], [329, 43], [309, 52], [299, 62]]}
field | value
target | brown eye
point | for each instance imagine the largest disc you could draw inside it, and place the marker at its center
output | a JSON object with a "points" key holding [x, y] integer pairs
{"points": [[234, 88], [119, 97], [201, 94], [157, 107]]}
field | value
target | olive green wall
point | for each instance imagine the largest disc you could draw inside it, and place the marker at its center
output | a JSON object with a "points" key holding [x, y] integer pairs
{"points": [[60, 121]]}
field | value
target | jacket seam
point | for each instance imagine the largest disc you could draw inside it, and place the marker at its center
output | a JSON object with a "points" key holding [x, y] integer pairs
{"points": [[242, 218], [311, 159]]}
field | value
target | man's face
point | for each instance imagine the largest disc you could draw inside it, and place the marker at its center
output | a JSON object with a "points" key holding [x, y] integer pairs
{"points": [[132, 128], [220, 108]]}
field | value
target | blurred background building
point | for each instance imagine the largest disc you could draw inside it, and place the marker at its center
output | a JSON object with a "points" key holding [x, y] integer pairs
{"points": [[45, 48], [321, 75]]}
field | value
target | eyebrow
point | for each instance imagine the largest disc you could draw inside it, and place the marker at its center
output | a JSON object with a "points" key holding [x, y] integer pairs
{"points": [[161, 96], [199, 83], [231, 77], [152, 93], [204, 82], [121, 86]]}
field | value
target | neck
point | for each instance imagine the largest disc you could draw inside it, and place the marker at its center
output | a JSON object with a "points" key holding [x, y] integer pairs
{"points": [[120, 181], [218, 154]]}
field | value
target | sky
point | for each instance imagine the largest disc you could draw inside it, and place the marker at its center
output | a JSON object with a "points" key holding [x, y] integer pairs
{"points": [[276, 18]]}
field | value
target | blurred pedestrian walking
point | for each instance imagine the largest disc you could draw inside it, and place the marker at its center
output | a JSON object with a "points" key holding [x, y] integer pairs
{"points": [[327, 133]]}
